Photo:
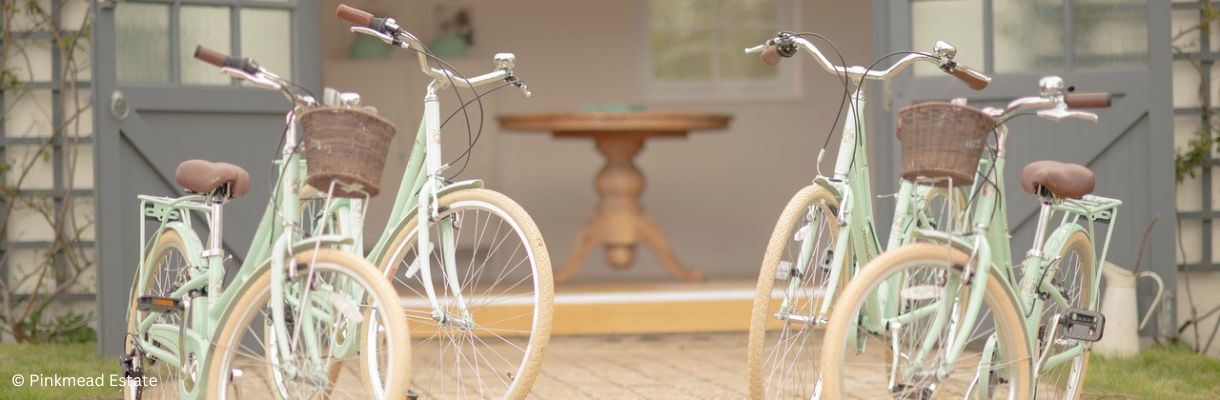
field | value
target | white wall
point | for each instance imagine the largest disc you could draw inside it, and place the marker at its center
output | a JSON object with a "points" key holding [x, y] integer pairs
{"points": [[717, 194], [1201, 294]]}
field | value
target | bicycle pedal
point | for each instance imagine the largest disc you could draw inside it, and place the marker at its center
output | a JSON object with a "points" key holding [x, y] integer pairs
{"points": [[1081, 324], [904, 391], [128, 365], [158, 304]]}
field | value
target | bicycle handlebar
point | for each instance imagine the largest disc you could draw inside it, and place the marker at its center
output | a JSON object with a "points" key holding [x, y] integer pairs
{"points": [[388, 31], [973, 78], [247, 70], [1054, 103], [786, 44], [1087, 100], [226, 61], [355, 15]]}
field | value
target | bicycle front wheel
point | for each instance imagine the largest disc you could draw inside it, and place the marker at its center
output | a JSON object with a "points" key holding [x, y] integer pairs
{"points": [[902, 348], [345, 296], [783, 348], [492, 347]]}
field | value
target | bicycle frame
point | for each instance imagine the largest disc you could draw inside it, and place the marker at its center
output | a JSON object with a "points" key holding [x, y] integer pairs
{"points": [[852, 186], [418, 194], [206, 301], [989, 244]]}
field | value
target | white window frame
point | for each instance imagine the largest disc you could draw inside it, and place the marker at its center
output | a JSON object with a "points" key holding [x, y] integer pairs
{"points": [[786, 86]]}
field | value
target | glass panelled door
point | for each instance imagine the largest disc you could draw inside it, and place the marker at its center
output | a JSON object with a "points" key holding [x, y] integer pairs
{"points": [[1117, 46], [157, 106]]}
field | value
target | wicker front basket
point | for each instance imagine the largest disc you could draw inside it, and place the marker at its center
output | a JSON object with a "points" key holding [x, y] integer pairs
{"points": [[347, 147], [942, 140]]}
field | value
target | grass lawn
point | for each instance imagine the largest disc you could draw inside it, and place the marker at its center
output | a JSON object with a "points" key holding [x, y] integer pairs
{"points": [[1160, 372], [65, 360]]}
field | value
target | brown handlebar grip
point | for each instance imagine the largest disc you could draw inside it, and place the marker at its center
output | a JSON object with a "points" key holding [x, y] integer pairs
{"points": [[354, 15], [973, 79], [770, 55], [211, 56], [1087, 100]]}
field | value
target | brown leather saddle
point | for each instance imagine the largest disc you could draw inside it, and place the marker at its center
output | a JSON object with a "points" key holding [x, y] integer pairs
{"points": [[1063, 180], [206, 177]]}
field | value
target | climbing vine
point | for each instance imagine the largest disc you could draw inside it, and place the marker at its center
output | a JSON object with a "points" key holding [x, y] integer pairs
{"points": [[30, 310]]}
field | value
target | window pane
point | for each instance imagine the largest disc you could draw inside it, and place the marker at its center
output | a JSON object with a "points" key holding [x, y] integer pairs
{"points": [[735, 64], [1109, 33], [207, 26], [142, 42], [679, 14], [744, 12], [681, 55], [1028, 35], [959, 22], [265, 37]]}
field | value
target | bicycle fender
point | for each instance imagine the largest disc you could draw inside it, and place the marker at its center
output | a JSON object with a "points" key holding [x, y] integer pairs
{"points": [[194, 253], [1056, 240], [965, 246], [832, 187], [376, 259]]}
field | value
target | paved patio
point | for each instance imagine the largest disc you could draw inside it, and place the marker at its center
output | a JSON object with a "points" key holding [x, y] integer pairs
{"points": [[671, 367]]}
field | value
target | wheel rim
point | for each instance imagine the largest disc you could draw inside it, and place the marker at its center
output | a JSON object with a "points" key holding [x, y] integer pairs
{"points": [[483, 356], [868, 360], [254, 366], [1063, 381], [171, 270], [791, 352]]}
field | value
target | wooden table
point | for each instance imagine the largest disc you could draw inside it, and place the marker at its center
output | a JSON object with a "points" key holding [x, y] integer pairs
{"points": [[619, 223]]}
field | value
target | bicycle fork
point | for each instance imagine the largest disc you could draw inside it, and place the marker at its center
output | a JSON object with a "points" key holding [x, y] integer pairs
{"points": [[429, 210]]}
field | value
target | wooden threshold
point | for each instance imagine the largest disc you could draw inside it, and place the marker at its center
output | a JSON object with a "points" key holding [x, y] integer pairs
{"points": [[629, 308]]}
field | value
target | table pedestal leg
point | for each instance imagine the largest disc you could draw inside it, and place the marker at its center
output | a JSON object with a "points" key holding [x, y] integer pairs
{"points": [[654, 238], [587, 239], [620, 223]]}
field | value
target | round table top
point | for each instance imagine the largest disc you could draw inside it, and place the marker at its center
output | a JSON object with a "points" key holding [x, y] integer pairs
{"points": [[600, 123]]}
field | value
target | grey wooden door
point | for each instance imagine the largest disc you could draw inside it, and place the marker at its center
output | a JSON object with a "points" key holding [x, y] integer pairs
{"points": [[156, 106], [1118, 46]]}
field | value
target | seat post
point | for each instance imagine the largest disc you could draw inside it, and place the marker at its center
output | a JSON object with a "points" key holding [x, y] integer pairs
{"points": [[216, 226], [1044, 216]]}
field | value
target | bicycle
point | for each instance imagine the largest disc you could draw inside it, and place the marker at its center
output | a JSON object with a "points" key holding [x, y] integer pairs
{"points": [[475, 277], [826, 230], [947, 315], [298, 313]]}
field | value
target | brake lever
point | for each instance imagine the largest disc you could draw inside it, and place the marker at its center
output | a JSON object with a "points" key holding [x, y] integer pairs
{"points": [[256, 80], [520, 85], [1062, 113], [390, 40]]}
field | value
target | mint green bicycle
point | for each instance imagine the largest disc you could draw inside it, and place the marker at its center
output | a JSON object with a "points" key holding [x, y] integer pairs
{"points": [[949, 316], [826, 231], [469, 264], [301, 318]]}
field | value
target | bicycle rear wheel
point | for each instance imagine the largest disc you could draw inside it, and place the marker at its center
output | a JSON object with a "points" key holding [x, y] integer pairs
{"points": [[783, 348], [904, 353], [1073, 279], [168, 269]]}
